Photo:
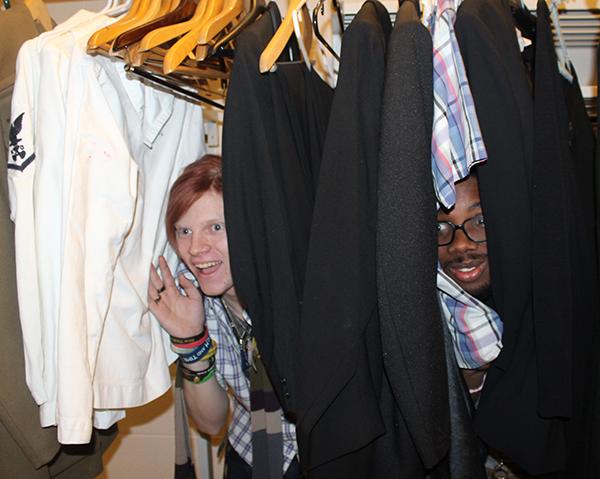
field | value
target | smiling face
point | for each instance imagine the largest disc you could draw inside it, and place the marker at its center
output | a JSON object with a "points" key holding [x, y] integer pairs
{"points": [[201, 241], [465, 261]]}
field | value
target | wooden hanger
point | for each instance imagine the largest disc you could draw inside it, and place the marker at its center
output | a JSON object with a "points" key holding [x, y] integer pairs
{"points": [[166, 6], [141, 12], [183, 11], [164, 34], [94, 41], [304, 32], [231, 10], [257, 7], [282, 36], [214, 26], [186, 44]]}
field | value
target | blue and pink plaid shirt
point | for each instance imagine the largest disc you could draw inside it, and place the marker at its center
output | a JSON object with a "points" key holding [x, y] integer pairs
{"points": [[476, 329], [231, 377], [456, 142]]}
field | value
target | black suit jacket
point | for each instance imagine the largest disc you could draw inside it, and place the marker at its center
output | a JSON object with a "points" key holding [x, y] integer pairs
{"points": [[565, 331], [507, 417], [340, 369], [411, 328], [269, 157], [527, 409]]}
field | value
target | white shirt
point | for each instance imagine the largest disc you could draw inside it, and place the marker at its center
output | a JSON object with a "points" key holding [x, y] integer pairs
{"points": [[88, 212], [164, 134]]}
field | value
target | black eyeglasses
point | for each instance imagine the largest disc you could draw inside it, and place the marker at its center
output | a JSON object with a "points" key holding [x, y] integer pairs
{"points": [[473, 228]]}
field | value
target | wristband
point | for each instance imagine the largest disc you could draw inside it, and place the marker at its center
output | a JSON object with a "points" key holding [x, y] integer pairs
{"points": [[197, 354], [198, 377], [189, 346], [185, 369], [183, 350], [192, 339]]}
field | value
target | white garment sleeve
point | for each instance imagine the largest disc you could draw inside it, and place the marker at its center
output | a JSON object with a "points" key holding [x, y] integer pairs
{"points": [[21, 176]]}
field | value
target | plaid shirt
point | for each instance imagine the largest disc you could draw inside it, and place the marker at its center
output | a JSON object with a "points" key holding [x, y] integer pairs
{"points": [[231, 377], [456, 142], [476, 329]]}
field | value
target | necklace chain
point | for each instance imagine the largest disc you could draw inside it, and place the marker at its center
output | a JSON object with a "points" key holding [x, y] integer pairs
{"points": [[241, 329]]}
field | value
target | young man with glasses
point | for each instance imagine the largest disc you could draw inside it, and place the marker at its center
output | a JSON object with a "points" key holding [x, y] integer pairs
{"points": [[464, 288], [462, 246], [464, 285]]}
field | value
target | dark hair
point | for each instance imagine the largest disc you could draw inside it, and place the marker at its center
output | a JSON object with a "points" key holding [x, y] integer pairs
{"points": [[196, 179]]}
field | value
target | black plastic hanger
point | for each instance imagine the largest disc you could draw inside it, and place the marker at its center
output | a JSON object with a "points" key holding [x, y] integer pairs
{"points": [[525, 21], [257, 7], [315, 20], [172, 86]]}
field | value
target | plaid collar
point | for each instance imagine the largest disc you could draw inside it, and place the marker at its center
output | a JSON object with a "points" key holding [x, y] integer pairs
{"points": [[476, 329]]}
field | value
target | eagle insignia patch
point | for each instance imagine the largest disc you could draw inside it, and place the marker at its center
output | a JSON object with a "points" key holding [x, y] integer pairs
{"points": [[19, 160]]}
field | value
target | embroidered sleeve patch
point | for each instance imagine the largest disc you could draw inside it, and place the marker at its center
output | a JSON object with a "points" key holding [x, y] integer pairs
{"points": [[18, 159]]}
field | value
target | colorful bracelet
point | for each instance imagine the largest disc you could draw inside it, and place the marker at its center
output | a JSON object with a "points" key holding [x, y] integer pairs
{"points": [[198, 377], [189, 346], [188, 351], [196, 354], [211, 352], [184, 342]]}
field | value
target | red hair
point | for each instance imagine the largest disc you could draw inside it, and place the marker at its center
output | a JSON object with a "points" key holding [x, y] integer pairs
{"points": [[196, 179]]}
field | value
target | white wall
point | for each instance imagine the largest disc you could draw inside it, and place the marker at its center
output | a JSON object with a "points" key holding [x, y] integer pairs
{"points": [[145, 446]]}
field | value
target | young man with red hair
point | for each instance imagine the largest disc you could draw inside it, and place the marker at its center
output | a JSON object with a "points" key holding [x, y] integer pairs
{"points": [[212, 333]]}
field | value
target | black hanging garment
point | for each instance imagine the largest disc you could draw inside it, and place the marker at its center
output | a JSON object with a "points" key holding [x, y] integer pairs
{"points": [[411, 327], [531, 409], [593, 447], [269, 153], [507, 414], [342, 428], [582, 428], [419, 358], [563, 178]]}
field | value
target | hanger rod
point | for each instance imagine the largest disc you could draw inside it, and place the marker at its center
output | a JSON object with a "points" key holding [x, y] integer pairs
{"points": [[171, 86]]}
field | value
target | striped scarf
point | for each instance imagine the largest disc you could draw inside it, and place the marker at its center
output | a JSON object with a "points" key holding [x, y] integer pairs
{"points": [[267, 437]]}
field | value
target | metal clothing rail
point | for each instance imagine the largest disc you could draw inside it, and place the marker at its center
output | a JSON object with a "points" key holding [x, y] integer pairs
{"points": [[172, 86]]}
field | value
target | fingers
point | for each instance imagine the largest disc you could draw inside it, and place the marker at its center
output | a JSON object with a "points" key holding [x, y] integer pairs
{"points": [[188, 286], [155, 281], [167, 276], [156, 285]]}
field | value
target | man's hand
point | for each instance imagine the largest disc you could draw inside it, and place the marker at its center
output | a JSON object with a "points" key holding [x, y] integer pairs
{"points": [[475, 377], [180, 315]]}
